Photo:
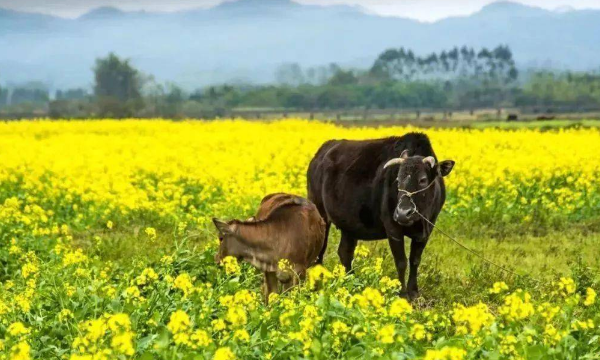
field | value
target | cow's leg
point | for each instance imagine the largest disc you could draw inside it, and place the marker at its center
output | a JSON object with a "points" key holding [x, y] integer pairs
{"points": [[270, 284], [264, 288], [346, 251], [416, 250], [397, 247], [322, 253]]}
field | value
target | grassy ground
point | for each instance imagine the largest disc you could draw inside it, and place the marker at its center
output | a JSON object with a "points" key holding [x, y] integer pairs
{"points": [[478, 124], [534, 124], [404, 115], [448, 273]]}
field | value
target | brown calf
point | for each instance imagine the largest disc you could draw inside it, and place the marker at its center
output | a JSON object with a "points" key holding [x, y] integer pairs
{"points": [[285, 227]]}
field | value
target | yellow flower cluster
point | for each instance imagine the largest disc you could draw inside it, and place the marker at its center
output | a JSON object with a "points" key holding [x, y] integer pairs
{"points": [[517, 306], [590, 297], [181, 327], [76, 194], [231, 265], [498, 287], [400, 308], [472, 319], [318, 275], [184, 282], [74, 257], [16, 334], [369, 299], [565, 287], [446, 353], [104, 338], [113, 166], [147, 277]]}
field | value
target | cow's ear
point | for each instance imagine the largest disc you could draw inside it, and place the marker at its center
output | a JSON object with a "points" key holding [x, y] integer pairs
{"points": [[223, 227], [445, 167]]}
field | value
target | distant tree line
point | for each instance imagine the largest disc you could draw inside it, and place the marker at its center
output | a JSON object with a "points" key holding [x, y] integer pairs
{"points": [[455, 79], [495, 65]]}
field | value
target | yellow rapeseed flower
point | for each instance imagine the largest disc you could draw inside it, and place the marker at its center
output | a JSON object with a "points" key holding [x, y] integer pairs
{"points": [[498, 287], [472, 319], [224, 353], [231, 265], [318, 276], [590, 297], [150, 232], [446, 353], [184, 282], [385, 335], [17, 329], [179, 322], [517, 306]]}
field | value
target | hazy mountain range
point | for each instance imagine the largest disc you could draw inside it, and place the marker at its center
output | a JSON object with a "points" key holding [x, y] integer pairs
{"points": [[246, 40]]}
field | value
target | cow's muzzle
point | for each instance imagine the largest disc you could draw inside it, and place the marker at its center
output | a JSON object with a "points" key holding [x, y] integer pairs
{"points": [[405, 216]]}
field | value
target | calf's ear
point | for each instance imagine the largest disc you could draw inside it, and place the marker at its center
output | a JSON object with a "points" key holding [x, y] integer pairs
{"points": [[223, 227], [445, 167]]}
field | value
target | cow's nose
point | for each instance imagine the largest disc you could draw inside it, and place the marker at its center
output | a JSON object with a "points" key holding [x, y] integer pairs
{"points": [[403, 215]]}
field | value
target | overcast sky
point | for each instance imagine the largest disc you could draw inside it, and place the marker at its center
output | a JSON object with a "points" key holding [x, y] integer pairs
{"points": [[425, 10]]}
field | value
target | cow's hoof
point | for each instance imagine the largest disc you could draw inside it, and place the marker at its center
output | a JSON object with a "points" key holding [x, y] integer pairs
{"points": [[413, 295], [403, 294]]}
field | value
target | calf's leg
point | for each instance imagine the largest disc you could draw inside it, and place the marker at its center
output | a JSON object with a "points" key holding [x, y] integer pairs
{"points": [[416, 250], [346, 251], [292, 281], [397, 248], [270, 284]]}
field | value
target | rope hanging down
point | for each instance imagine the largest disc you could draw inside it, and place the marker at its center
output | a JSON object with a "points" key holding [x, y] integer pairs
{"points": [[467, 248], [410, 194]]}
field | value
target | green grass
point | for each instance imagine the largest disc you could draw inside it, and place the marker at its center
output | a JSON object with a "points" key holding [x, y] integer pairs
{"points": [[448, 273], [533, 124]]}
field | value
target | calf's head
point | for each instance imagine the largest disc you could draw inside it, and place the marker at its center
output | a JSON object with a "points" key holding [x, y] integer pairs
{"points": [[227, 239], [415, 180]]}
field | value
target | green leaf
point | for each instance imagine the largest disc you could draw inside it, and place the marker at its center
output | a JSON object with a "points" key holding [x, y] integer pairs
{"points": [[264, 331], [146, 356], [535, 352], [162, 340], [355, 352]]}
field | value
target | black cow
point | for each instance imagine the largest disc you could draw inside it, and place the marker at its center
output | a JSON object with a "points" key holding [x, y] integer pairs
{"points": [[376, 189]]}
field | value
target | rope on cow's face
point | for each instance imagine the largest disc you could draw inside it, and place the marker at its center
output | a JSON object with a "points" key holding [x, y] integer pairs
{"points": [[411, 194]]}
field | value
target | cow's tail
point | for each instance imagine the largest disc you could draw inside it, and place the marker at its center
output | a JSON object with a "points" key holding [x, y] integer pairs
{"points": [[321, 256]]}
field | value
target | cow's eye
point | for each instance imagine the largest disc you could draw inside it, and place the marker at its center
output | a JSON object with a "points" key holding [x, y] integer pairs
{"points": [[423, 181]]}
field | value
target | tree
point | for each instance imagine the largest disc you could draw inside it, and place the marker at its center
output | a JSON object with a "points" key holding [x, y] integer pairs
{"points": [[117, 78], [32, 92], [3, 97], [71, 94], [487, 66], [118, 86], [289, 74], [343, 77]]}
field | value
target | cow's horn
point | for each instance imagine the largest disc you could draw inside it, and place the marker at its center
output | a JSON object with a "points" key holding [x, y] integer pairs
{"points": [[429, 160], [395, 161], [404, 154]]}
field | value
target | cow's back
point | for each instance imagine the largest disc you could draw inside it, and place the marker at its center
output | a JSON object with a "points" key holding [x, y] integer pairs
{"points": [[294, 226], [271, 202], [346, 180]]}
